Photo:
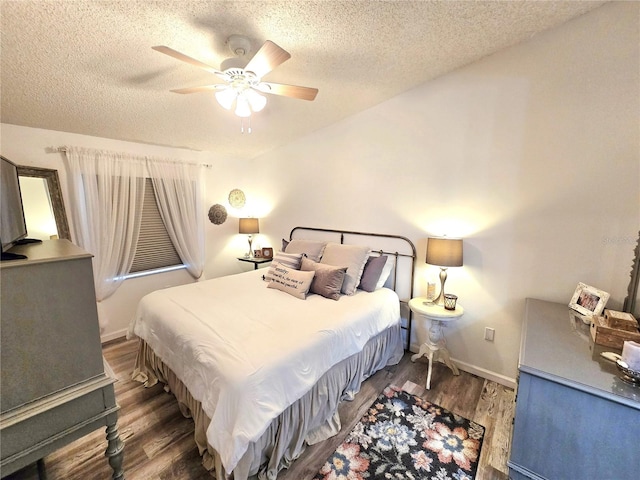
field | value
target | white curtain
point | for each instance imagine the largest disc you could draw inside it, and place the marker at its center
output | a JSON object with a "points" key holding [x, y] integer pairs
{"points": [[178, 190], [108, 191]]}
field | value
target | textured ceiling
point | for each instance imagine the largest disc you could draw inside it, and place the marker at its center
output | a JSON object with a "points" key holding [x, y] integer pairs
{"points": [[87, 66]]}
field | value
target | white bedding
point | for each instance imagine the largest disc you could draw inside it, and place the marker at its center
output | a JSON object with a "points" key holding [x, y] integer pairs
{"points": [[247, 352]]}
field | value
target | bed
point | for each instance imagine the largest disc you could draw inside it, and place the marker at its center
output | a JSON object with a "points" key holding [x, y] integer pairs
{"points": [[262, 368]]}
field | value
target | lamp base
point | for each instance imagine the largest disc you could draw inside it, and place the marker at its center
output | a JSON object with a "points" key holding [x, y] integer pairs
{"points": [[443, 278], [250, 254]]}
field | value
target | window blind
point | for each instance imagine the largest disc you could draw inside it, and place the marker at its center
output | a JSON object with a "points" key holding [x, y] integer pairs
{"points": [[154, 248]]}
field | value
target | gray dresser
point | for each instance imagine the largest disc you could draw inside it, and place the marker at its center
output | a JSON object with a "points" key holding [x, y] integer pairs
{"points": [[55, 384], [575, 418]]}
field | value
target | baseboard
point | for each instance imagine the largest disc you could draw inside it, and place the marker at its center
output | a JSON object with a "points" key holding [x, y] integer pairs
{"points": [[484, 373], [479, 371], [113, 335]]}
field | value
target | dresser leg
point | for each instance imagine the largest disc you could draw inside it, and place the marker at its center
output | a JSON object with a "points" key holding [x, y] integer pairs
{"points": [[42, 470], [115, 451]]}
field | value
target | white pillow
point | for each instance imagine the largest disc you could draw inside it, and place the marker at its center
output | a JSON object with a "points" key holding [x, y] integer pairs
{"points": [[293, 282], [354, 257], [311, 248], [386, 271]]}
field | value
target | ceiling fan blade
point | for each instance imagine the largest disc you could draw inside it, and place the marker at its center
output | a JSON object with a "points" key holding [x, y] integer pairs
{"points": [[204, 88], [184, 58], [294, 91], [267, 58]]}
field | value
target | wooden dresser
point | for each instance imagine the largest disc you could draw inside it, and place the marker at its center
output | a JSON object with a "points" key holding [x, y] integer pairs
{"points": [[575, 418], [55, 384]]}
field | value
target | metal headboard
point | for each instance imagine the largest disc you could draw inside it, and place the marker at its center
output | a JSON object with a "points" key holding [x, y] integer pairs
{"points": [[410, 253]]}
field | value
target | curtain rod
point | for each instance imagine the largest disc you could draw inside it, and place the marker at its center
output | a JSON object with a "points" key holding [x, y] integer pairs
{"points": [[64, 149]]}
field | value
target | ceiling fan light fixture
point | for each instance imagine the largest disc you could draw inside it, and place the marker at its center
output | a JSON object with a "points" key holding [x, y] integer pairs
{"points": [[243, 108], [256, 101], [226, 97]]}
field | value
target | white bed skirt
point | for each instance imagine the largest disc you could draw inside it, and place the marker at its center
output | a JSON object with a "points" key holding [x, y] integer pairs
{"points": [[309, 420]]}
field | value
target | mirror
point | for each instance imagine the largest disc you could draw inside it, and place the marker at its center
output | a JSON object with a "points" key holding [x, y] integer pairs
{"points": [[42, 198]]}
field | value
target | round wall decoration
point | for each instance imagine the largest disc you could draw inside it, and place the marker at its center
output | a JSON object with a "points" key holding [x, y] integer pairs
{"points": [[217, 214], [237, 198]]}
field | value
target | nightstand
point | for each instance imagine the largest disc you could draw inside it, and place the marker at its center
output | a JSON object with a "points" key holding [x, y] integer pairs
{"points": [[435, 346], [255, 261]]}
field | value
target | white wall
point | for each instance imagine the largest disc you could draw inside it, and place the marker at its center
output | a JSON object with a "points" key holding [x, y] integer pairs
{"points": [[531, 155]]}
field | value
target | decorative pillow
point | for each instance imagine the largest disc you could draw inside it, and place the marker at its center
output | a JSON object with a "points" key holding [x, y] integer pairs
{"points": [[371, 273], [293, 282], [311, 248], [351, 256], [386, 271], [328, 279], [290, 260], [284, 244]]}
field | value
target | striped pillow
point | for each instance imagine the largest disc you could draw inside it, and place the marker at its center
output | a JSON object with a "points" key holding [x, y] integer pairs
{"points": [[290, 260]]}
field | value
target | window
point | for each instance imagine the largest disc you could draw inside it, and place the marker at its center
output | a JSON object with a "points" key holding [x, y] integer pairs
{"points": [[154, 249]]}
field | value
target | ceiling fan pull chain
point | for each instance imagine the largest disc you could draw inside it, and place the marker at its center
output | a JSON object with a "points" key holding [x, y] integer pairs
{"points": [[242, 125]]}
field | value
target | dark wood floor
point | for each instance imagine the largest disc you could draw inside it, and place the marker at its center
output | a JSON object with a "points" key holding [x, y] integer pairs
{"points": [[159, 440]]}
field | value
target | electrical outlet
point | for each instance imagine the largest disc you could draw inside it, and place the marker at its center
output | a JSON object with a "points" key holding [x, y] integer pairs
{"points": [[489, 334]]}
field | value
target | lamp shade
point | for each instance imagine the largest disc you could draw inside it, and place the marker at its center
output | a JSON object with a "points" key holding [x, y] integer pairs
{"points": [[249, 225], [444, 252]]}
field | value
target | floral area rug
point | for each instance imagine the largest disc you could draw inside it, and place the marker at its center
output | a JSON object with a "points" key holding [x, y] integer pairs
{"points": [[404, 437]]}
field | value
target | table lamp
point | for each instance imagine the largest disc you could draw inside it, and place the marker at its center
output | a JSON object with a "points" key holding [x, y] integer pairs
{"points": [[443, 252], [249, 226]]}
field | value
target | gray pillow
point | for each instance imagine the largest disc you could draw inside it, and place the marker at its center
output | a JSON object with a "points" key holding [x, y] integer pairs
{"points": [[371, 274], [327, 280], [351, 256]]}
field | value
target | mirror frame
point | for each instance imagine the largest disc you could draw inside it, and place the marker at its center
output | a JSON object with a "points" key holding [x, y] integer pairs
{"points": [[55, 195], [632, 290]]}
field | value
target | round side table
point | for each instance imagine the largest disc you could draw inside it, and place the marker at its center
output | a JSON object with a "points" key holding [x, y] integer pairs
{"points": [[435, 346]]}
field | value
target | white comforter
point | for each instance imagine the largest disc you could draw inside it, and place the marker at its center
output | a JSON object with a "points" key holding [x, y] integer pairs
{"points": [[247, 352]]}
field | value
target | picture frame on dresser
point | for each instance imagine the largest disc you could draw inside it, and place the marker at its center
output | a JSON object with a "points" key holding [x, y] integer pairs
{"points": [[588, 300]]}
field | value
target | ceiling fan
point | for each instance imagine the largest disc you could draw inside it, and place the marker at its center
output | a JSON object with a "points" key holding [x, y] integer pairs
{"points": [[242, 85]]}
